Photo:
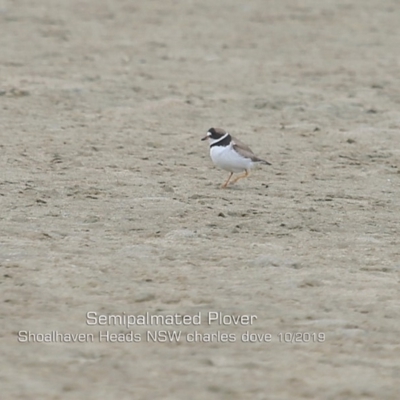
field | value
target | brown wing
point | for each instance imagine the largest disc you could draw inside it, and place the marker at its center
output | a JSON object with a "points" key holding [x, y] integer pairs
{"points": [[246, 152], [241, 145]]}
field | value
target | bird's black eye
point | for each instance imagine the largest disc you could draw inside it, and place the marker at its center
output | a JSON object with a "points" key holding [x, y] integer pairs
{"points": [[212, 131]]}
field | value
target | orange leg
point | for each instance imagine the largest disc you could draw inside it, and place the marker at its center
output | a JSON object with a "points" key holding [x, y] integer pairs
{"points": [[246, 174], [226, 183]]}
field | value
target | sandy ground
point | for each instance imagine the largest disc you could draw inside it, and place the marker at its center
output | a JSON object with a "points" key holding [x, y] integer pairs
{"points": [[110, 203]]}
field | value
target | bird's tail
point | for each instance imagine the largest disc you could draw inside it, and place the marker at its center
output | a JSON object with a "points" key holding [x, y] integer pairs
{"points": [[263, 162]]}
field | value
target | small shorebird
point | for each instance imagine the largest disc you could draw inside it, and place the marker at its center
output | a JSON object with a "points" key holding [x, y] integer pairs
{"points": [[231, 154]]}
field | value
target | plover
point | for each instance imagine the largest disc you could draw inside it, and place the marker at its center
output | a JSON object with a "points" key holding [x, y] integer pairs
{"points": [[231, 154]]}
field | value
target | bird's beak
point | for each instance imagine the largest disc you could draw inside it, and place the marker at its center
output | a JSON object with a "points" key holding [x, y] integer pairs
{"points": [[205, 138]]}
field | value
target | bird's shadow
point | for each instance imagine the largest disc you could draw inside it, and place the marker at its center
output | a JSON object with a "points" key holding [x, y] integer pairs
{"points": [[240, 188], [231, 187]]}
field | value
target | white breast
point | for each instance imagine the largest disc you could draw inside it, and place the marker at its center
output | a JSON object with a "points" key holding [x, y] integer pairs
{"points": [[225, 157]]}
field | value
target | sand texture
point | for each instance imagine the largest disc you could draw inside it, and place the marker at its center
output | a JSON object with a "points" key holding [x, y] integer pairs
{"points": [[110, 203]]}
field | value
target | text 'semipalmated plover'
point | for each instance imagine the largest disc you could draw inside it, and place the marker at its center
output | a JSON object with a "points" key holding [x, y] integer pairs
{"points": [[231, 154]]}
